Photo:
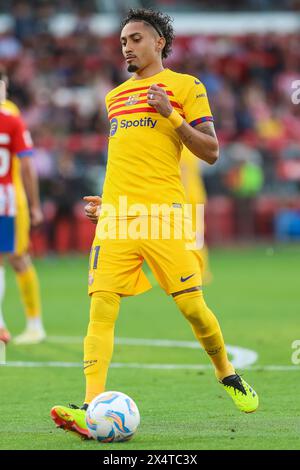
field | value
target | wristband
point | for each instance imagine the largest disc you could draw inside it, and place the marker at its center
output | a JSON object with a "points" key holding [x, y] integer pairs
{"points": [[175, 119]]}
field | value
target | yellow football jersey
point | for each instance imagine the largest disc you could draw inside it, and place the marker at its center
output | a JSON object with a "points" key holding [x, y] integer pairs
{"points": [[191, 177], [144, 148]]}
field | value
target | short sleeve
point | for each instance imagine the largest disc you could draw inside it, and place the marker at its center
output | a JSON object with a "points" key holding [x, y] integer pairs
{"points": [[22, 142], [196, 106], [106, 103]]}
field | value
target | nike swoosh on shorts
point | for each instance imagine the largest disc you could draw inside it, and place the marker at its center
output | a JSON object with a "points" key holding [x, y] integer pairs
{"points": [[183, 279]]}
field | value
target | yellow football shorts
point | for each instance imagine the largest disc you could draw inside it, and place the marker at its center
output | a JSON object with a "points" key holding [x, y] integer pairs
{"points": [[116, 261]]}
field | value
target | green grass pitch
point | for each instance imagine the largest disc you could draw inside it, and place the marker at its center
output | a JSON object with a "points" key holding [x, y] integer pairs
{"points": [[255, 295]]}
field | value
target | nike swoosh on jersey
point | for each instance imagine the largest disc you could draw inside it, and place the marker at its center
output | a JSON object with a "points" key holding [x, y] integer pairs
{"points": [[183, 279]]}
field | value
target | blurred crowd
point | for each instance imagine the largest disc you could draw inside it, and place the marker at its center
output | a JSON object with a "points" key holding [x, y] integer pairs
{"points": [[60, 84], [107, 6]]}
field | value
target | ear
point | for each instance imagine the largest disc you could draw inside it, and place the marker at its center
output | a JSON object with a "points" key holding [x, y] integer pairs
{"points": [[161, 42]]}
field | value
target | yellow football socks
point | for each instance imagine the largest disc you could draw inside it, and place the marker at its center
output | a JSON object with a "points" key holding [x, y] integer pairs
{"points": [[206, 329], [30, 292], [99, 342]]}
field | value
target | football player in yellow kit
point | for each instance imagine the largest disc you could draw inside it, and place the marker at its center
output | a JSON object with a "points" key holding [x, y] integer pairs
{"points": [[17, 171], [151, 115]]}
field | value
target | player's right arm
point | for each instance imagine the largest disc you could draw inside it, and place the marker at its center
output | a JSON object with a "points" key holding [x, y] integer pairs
{"points": [[22, 147]]}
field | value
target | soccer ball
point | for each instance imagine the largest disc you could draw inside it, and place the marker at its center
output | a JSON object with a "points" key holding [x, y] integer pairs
{"points": [[112, 417]]}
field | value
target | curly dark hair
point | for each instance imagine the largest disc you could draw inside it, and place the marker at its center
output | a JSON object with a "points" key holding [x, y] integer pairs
{"points": [[161, 22]]}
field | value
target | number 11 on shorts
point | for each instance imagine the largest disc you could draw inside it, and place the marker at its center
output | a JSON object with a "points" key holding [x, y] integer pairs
{"points": [[95, 249]]}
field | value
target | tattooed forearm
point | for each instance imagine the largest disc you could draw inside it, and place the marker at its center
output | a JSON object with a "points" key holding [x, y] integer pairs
{"points": [[200, 140], [187, 139], [208, 129]]}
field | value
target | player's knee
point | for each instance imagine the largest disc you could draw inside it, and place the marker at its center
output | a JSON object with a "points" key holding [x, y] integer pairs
{"points": [[192, 305], [195, 313], [104, 307], [20, 263]]}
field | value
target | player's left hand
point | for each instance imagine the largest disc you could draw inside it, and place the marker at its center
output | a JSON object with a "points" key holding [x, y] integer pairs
{"points": [[158, 98], [36, 216], [93, 208]]}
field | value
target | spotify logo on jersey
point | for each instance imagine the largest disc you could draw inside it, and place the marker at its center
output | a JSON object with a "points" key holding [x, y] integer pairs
{"points": [[113, 127], [129, 123]]}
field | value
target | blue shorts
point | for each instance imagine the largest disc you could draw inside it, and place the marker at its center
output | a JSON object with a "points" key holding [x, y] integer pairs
{"points": [[7, 234]]}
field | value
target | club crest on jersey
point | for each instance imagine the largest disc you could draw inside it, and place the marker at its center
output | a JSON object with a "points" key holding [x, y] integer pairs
{"points": [[133, 99]]}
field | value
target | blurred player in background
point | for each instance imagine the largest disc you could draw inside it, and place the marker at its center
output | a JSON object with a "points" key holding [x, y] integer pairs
{"points": [[152, 115], [16, 214], [195, 192]]}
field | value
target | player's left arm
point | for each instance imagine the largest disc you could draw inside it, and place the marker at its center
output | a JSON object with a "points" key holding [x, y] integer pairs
{"points": [[201, 139], [31, 185], [22, 147]]}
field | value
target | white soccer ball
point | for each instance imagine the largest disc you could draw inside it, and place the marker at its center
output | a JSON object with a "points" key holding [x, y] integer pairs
{"points": [[112, 417]]}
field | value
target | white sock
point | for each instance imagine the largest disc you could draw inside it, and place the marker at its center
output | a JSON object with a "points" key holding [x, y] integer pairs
{"points": [[35, 323], [2, 290]]}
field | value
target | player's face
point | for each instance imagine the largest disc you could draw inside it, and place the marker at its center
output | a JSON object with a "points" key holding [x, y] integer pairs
{"points": [[139, 46]]}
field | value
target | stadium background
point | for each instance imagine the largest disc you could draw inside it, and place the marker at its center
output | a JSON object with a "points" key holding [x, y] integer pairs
{"points": [[62, 57]]}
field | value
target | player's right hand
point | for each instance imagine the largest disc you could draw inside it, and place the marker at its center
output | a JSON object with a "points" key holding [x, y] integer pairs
{"points": [[36, 216], [92, 209]]}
